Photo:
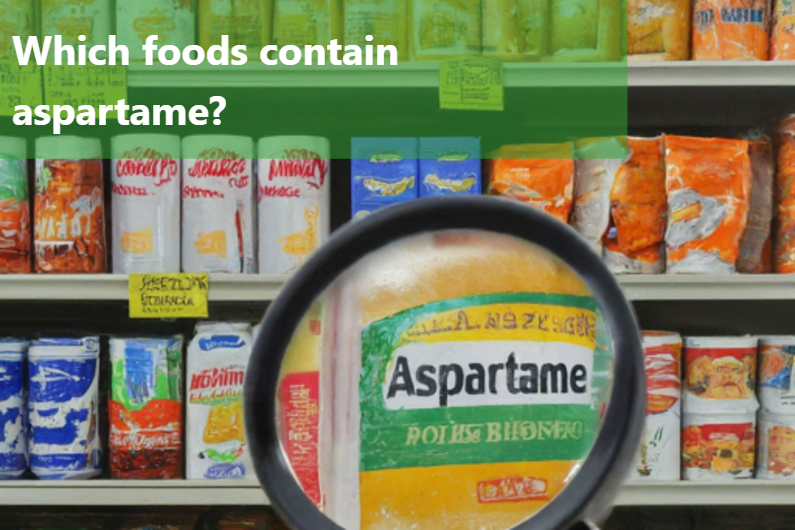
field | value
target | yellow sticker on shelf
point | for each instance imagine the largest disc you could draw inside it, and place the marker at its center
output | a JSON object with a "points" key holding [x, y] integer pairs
{"points": [[19, 85], [178, 295], [85, 85], [472, 83]]}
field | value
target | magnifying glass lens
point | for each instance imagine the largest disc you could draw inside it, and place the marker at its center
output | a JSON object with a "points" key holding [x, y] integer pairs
{"points": [[455, 379]]}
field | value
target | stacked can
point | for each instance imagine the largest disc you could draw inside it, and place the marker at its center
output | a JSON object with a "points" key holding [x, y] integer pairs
{"points": [[13, 421], [659, 454], [777, 411], [719, 404]]}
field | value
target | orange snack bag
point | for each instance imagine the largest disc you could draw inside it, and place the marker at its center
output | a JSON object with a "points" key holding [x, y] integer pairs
{"points": [[730, 30], [782, 33], [14, 207], [69, 210], [541, 175], [756, 244], [708, 181], [784, 257], [658, 30], [638, 205]]}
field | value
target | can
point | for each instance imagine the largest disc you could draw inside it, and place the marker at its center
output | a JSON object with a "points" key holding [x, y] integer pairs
{"points": [[294, 200], [145, 179], [720, 375], [63, 376], [13, 420], [776, 446], [660, 449], [718, 447]]}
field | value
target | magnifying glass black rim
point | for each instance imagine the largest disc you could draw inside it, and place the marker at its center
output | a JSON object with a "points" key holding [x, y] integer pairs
{"points": [[590, 492]]}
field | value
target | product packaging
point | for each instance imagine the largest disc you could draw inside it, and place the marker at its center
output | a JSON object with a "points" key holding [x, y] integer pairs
{"points": [[145, 176], [659, 455], [730, 30], [294, 200], [585, 30], [718, 447], [776, 446], [782, 33], [13, 409], [19, 19], [244, 22], [709, 185], [72, 18], [784, 253], [776, 384], [659, 30], [173, 21], [215, 434], [634, 242], [449, 166], [444, 29], [542, 175], [756, 245], [308, 23], [218, 232], [387, 22], [598, 161], [14, 206], [69, 211], [146, 408], [383, 172], [63, 381]]}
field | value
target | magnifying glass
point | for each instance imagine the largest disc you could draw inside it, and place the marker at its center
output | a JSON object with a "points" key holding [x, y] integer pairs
{"points": [[453, 363]]}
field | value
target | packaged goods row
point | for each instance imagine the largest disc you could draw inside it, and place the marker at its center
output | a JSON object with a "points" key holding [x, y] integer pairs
{"points": [[724, 419], [51, 416]]}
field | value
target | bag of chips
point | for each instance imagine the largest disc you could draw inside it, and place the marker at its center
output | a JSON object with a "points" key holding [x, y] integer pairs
{"points": [[730, 30], [782, 33], [784, 257], [756, 242], [658, 30]]}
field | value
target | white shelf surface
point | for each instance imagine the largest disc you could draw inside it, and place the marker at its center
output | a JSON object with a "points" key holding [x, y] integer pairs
{"points": [[740, 492], [426, 75]]}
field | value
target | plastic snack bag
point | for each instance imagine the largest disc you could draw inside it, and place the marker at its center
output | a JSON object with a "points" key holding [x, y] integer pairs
{"points": [[14, 207], [730, 30], [756, 252], [384, 171], [584, 30], [635, 240], [19, 19], [541, 175], [387, 21], [307, 22], [444, 29], [244, 22], [784, 254], [72, 18], [173, 21], [708, 182], [659, 30], [782, 34], [450, 166]]}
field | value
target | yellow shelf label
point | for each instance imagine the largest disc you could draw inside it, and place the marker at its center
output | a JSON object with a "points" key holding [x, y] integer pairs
{"points": [[471, 83], [85, 85], [19, 85], [178, 295]]}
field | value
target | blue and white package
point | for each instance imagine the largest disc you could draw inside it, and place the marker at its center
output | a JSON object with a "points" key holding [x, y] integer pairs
{"points": [[63, 400], [383, 172], [13, 447], [449, 166]]}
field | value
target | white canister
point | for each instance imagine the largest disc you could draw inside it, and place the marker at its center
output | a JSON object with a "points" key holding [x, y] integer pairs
{"points": [[145, 174], [720, 375], [294, 195], [218, 204], [13, 409], [71, 19], [776, 446], [173, 21], [776, 385], [718, 447], [659, 455]]}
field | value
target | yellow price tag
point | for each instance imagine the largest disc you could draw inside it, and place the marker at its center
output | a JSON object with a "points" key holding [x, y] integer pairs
{"points": [[85, 85], [19, 85], [471, 83], [178, 295]]}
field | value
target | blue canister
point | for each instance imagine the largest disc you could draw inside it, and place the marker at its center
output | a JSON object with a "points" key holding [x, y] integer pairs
{"points": [[383, 172], [449, 166], [63, 417], [13, 447]]}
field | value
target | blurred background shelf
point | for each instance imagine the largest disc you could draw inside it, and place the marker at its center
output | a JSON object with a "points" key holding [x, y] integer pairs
{"points": [[741, 492]]}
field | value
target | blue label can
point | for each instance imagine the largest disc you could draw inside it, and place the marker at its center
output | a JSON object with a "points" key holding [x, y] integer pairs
{"points": [[64, 393], [13, 444]]}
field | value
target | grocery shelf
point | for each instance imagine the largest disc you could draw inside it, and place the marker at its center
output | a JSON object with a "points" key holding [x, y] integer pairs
{"points": [[709, 287], [741, 492], [223, 287], [426, 74]]}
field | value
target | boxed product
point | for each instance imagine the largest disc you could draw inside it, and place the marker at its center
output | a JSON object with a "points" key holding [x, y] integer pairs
{"points": [[449, 166], [383, 171]]}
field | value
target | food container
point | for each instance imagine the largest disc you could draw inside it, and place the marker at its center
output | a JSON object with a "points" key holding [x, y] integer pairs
{"points": [[387, 22], [431, 33], [730, 30], [718, 447], [659, 455], [218, 204], [776, 384], [13, 413], [15, 229], [70, 19], [782, 32], [585, 30], [776, 446], [784, 253], [449, 166], [69, 212], [173, 21], [215, 434], [146, 408], [294, 200], [63, 381], [659, 30], [756, 253], [383, 172], [145, 180], [720, 375]]}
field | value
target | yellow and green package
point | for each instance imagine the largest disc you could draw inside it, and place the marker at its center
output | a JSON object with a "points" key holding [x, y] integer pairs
{"points": [[444, 29], [307, 22], [456, 395], [385, 20], [245, 22], [584, 30], [515, 30]]}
